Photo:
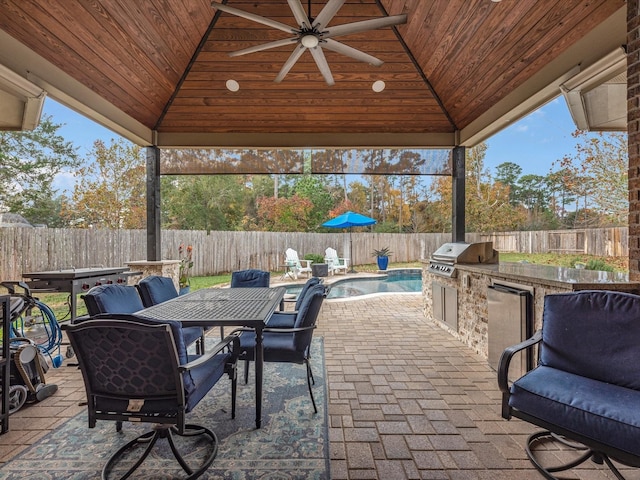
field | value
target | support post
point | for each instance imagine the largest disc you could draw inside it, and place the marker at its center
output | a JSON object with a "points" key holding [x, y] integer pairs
{"points": [[458, 194], [633, 130], [154, 251]]}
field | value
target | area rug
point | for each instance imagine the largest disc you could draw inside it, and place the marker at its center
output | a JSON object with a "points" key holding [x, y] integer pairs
{"points": [[292, 443]]}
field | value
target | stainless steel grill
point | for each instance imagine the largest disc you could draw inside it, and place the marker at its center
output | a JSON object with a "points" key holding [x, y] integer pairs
{"points": [[444, 260]]}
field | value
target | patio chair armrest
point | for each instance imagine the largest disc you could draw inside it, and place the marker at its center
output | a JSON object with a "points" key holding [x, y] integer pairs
{"points": [[503, 368], [507, 355], [289, 330], [288, 300], [242, 329], [293, 313], [231, 339]]}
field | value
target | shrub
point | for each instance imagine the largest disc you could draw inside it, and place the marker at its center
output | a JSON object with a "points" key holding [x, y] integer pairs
{"points": [[314, 257], [599, 264]]}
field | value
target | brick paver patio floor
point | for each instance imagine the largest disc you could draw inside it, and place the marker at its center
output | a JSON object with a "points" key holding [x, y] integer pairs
{"points": [[407, 401]]}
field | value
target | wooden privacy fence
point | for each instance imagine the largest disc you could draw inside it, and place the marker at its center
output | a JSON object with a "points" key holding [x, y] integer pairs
{"points": [[41, 249]]}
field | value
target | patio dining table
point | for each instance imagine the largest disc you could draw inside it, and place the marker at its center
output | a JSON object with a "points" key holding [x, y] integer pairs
{"points": [[246, 307]]}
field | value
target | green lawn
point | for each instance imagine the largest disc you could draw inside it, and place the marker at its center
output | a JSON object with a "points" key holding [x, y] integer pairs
{"points": [[616, 264]]}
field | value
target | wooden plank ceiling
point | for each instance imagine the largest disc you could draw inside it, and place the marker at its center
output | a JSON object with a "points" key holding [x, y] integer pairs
{"points": [[161, 66]]}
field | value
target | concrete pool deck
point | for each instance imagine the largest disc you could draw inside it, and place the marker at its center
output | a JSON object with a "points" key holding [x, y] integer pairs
{"points": [[406, 401]]}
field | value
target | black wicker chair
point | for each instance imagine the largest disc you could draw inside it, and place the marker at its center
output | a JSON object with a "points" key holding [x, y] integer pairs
{"points": [[139, 371]]}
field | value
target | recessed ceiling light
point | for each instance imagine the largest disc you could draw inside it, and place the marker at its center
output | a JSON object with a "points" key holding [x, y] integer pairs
{"points": [[378, 86], [232, 85]]}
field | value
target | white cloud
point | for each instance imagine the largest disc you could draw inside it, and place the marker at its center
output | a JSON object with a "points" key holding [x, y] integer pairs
{"points": [[64, 182]]}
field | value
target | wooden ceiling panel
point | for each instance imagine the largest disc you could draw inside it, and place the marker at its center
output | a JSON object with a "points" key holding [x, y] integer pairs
{"points": [[577, 19], [164, 64], [128, 52], [302, 102]]}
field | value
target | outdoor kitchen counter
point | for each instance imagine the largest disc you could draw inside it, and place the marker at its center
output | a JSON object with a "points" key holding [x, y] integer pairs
{"points": [[461, 305], [564, 278]]}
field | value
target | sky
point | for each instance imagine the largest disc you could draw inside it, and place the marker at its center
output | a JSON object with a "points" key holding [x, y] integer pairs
{"points": [[535, 142]]}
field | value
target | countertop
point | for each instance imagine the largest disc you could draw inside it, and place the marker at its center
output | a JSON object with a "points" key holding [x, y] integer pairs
{"points": [[562, 277]]}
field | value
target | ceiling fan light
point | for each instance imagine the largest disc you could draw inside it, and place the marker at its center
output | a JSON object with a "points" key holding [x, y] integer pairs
{"points": [[309, 41], [378, 86], [232, 85]]}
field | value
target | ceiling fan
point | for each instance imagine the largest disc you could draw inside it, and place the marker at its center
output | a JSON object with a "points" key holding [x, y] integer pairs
{"points": [[313, 34]]}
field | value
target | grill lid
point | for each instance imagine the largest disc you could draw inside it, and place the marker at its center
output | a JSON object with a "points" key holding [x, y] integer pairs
{"points": [[462, 252]]}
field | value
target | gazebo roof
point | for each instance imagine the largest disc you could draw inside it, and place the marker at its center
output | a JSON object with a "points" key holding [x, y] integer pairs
{"points": [[154, 71]]}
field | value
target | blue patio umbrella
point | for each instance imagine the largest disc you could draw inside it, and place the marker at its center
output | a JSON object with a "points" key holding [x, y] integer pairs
{"points": [[348, 220]]}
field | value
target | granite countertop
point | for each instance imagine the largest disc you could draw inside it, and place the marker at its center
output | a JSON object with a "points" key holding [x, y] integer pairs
{"points": [[573, 278]]}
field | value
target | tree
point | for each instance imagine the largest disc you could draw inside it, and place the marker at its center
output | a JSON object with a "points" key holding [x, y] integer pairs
{"points": [[112, 190], [285, 214], [534, 195], [560, 191], [29, 164], [438, 210], [314, 189], [204, 202], [508, 173], [599, 169], [487, 206]]}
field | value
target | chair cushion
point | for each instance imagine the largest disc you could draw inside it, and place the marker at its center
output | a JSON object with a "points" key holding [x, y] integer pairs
{"points": [[307, 315], [250, 278], [603, 412], [286, 346], [308, 284], [191, 334], [205, 377], [282, 320], [156, 289], [112, 298], [277, 347], [594, 334]]}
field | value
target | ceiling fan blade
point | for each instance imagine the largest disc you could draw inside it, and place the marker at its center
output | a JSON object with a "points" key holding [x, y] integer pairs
{"points": [[253, 17], [264, 46], [351, 52], [365, 25], [327, 13], [323, 66], [299, 14], [291, 61]]}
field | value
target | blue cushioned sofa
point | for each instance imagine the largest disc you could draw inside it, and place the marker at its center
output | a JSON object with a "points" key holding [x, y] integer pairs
{"points": [[586, 385]]}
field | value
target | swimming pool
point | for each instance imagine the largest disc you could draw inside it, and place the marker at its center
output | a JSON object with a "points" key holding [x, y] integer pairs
{"points": [[395, 281]]}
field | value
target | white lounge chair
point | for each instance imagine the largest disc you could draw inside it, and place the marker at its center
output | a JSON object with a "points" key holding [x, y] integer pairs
{"points": [[297, 266], [335, 263]]}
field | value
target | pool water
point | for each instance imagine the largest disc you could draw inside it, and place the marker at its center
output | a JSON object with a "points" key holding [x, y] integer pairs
{"points": [[400, 281]]}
